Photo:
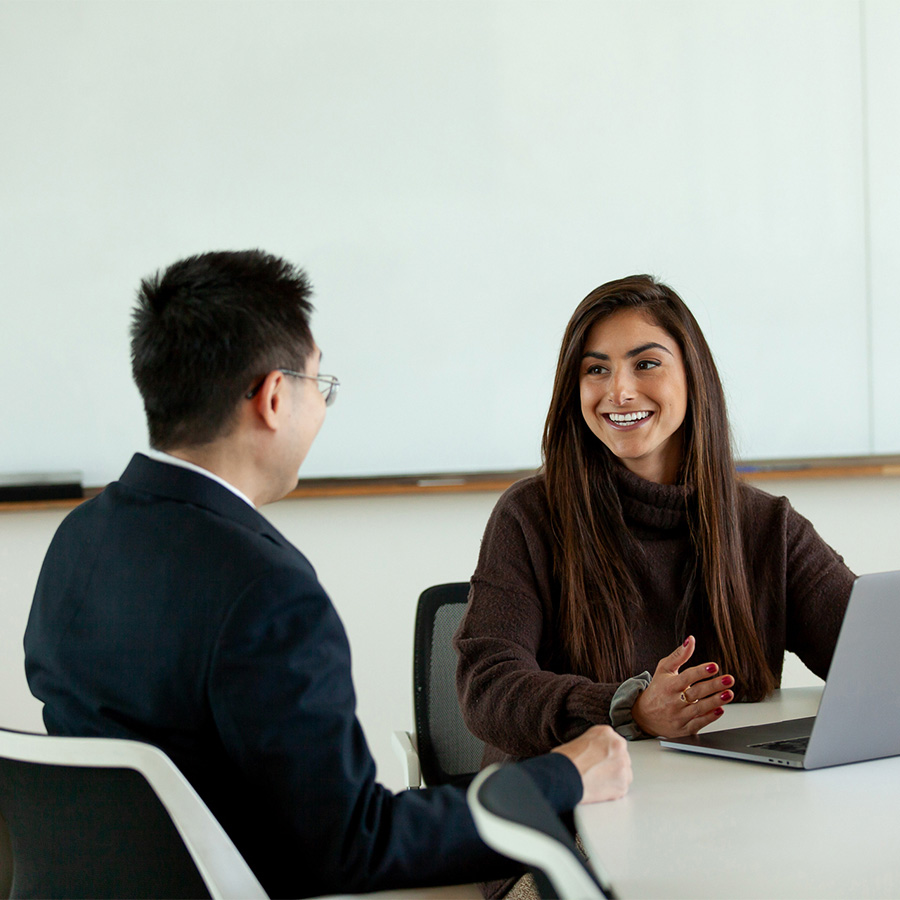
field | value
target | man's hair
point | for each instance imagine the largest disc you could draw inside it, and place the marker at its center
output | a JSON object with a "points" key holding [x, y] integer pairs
{"points": [[205, 330]]}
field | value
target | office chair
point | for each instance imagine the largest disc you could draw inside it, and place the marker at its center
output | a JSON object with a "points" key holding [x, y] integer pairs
{"points": [[6, 863], [101, 817], [514, 818], [442, 750]]}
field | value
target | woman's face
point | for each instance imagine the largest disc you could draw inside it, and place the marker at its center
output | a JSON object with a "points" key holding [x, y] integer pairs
{"points": [[634, 393]]}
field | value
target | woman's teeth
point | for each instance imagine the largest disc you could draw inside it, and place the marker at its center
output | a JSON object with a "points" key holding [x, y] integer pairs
{"points": [[628, 418]]}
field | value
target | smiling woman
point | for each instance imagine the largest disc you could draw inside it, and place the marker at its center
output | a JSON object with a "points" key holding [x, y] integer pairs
{"points": [[637, 538], [634, 393]]}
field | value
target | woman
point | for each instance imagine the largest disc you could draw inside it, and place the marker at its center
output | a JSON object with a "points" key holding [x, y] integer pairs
{"points": [[637, 538]]}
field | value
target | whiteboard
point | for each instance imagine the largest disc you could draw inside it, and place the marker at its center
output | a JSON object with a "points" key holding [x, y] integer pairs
{"points": [[455, 176], [881, 38]]}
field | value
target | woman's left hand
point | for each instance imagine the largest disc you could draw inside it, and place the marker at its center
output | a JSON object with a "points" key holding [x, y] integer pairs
{"points": [[677, 703]]}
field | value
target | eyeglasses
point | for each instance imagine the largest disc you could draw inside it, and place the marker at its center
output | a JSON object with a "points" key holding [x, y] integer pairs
{"points": [[328, 385]]}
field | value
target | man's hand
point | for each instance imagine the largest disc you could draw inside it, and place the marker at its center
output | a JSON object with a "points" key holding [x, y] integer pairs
{"points": [[601, 756]]}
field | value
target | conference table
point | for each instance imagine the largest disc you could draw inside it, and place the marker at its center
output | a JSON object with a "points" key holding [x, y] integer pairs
{"points": [[694, 826]]}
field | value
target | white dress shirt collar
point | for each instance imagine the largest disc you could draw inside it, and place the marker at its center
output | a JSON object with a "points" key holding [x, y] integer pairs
{"points": [[159, 456]]}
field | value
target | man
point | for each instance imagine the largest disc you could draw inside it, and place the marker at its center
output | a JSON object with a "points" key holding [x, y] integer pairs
{"points": [[169, 610]]}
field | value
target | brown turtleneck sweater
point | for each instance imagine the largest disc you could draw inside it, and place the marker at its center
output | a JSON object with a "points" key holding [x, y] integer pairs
{"points": [[513, 677]]}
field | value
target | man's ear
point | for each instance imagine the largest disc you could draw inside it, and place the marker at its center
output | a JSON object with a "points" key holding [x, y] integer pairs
{"points": [[269, 399]]}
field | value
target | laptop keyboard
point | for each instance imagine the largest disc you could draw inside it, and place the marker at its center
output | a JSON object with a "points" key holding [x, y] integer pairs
{"points": [[789, 745]]}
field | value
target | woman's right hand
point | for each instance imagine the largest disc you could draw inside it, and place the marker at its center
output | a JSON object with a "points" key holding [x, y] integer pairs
{"points": [[677, 703]]}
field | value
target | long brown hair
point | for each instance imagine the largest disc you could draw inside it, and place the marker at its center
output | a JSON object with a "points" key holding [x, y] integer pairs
{"points": [[599, 599]]}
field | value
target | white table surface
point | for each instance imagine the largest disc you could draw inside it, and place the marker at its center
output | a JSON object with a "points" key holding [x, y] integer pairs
{"points": [[694, 826]]}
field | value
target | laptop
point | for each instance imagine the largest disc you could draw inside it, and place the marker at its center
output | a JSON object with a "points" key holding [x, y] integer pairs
{"points": [[859, 713]]}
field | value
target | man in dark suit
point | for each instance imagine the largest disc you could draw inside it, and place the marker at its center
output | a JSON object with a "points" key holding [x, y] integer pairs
{"points": [[169, 610]]}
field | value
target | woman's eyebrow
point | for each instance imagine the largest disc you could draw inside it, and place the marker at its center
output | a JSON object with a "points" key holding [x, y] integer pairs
{"points": [[594, 354], [652, 345]]}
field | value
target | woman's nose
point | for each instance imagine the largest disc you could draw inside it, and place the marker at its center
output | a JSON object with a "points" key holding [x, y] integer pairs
{"points": [[621, 389]]}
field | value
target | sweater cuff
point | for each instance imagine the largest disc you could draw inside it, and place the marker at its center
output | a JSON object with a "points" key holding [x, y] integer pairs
{"points": [[558, 779], [621, 704]]}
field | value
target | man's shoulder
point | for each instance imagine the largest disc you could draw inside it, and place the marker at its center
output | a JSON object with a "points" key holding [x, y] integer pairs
{"points": [[224, 544]]}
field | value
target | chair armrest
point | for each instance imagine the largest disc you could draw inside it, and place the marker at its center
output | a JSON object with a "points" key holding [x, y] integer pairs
{"points": [[404, 745]]}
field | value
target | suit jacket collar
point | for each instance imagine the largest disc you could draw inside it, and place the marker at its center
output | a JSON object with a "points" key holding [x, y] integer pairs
{"points": [[177, 483]]}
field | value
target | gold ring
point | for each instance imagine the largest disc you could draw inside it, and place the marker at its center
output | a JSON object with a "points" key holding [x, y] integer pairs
{"points": [[686, 699]]}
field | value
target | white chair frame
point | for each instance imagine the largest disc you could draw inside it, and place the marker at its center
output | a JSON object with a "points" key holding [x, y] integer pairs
{"points": [[220, 864]]}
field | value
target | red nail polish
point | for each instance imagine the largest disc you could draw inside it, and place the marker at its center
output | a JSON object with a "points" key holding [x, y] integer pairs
{"points": [[687, 640], [712, 668], [727, 681], [718, 712], [726, 695]]}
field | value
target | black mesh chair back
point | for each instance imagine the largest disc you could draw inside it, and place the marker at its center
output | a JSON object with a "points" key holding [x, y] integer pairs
{"points": [[6, 864], [514, 818], [78, 832], [448, 752], [103, 817]]}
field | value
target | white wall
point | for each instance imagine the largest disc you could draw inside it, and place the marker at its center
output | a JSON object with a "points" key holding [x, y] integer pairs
{"points": [[456, 176], [374, 555]]}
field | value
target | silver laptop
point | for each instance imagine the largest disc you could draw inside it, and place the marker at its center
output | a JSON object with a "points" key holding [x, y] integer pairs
{"points": [[859, 714]]}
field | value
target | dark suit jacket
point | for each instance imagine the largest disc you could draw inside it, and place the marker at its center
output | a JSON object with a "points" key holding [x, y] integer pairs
{"points": [[170, 611]]}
